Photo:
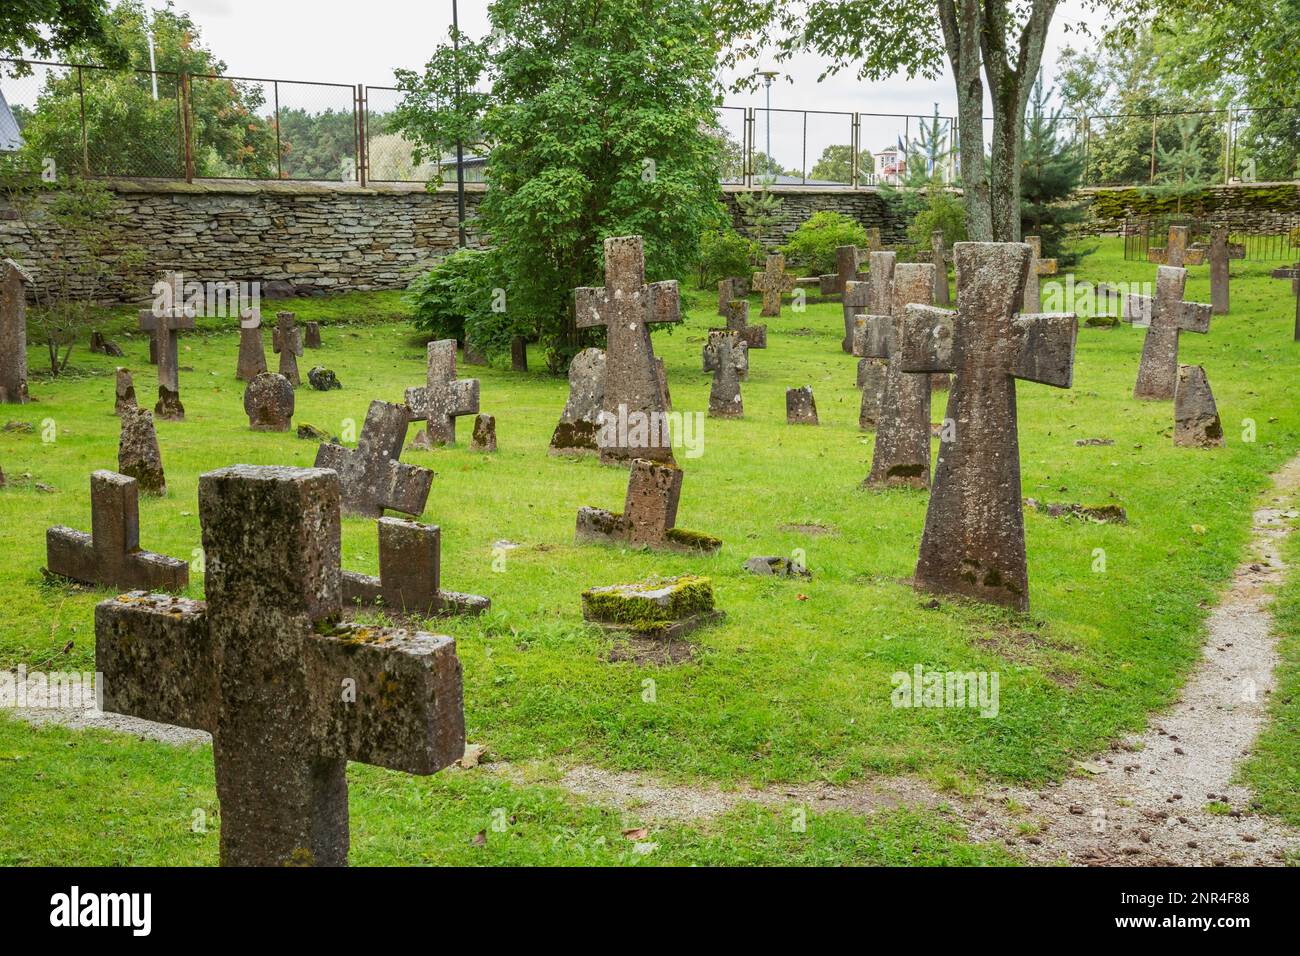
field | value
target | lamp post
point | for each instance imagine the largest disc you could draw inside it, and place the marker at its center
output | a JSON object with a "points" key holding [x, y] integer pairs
{"points": [[460, 147], [769, 76]]}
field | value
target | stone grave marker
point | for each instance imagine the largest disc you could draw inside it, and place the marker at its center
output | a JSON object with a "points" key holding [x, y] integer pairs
{"points": [[726, 355], [1167, 315], [773, 282], [875, 298], [737, 315], [800, 406], [661, 609], [729, 289], [635, 392], [312, 338], [443, 398], [289, 693], [649, 515], [124, 392], [1176, 249], [323, 379], [137, 451], [577, 430], [974, 539], [1219, 270], [252, 350], [166, 325], [1196, 416], [939, 256], [1039, 266], [1292, 273], [14, 282], [99, 345], [484, 438], [519, 354], [847, 261], [287, 342], [856, 302], [410, 560], [269, 403], [110, 556], [371, 478]]}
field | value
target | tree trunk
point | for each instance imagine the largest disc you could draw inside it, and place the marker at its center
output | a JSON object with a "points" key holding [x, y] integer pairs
{"points": [[960, 20]]}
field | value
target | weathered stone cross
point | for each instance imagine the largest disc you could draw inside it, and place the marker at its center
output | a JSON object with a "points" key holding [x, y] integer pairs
{"points": [[847, 261], [1038, 266], [110, 555], [726, 355], [166, 324], [410, 559], [737, 316], [443, 398], [876, 297], [649, 514], [13, 333], [1168, 315], [252, 351], [942, 294], [1293, 274], [1176, 247], [974, 539], [625, 306], [855, 303], [773, 282], [1219, 272], [286, 339], [902, 453], [289, 693], [371, 477]]}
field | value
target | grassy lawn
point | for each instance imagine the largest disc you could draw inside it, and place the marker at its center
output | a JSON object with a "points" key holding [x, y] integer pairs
{"points": [[793, 687]]}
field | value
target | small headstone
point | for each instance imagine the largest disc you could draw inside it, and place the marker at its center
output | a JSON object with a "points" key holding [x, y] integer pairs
{"points": [[727, 356], [99, 345], [634, 420], [287, 342], [729, 289], [1176, 250], [856, 301], [519, 354], [485, 434], [1167, 315], [1292, 273], [974, 538], [312, 338], [1219, 270], [579, 422], [773, 282], [137, 451], [312, 433], [737, 316], [252, 350], [110, 555], [939, 256], [269, 403], [873, 240], [659, 609], [1038, 266], [443, 398], [410, 558], [14, 283], [371, 478], [649, 514], [288, 692], [323, 379], [1196, 416], [125, 392], [800, 406], [166, 325]]}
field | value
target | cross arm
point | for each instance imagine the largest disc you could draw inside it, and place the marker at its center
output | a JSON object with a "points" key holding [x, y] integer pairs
{"points": [[386, 696], [157, 659], [464, 396], [417, 400], [1046, 348], [1138, 309], [1194, 316], [871, 336], [407, 488], [589, 307], [665, 302], [928, 335]]}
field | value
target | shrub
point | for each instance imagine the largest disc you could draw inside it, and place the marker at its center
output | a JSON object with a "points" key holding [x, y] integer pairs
{"points": [[724, 253], [813, 244], [462, 295]]}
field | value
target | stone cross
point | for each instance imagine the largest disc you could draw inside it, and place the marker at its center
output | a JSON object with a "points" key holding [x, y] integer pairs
{"points": [[974, 539], [410, 557], [575, 433], [942, 295], [1176, 248], [166, 324], [1219, 270], [370, 476], [1168, 315], [289, 693], [737, 316], [252, 351], [626, 305], [773, 282], [729, 289], [649, 514], [286, 339], [269, 403], [902, 452], [1196, 416], [877, 299], [443, 398], [110, 555], [873, 240], [855, 303], [1039, 266], [14, 283], [847, 261], [1293, 273], [727, 356], [312, 340]]}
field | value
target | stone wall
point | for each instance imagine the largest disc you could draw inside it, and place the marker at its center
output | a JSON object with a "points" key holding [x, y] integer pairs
{"points": [[798, 203], [1245, 207]]}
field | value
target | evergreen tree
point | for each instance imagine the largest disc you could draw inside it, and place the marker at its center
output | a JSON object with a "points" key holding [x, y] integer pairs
{"points": [[1051, 167]]}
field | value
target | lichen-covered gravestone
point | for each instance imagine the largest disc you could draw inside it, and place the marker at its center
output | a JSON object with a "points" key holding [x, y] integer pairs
{"points": [[579, 422], [443, 398], [287, 342], [1176, 249], [312, 339], [1219, 270], [1196, 416], [484, 437], [371, 477], [634, 420], [727, 356], [974, 539], [110, 556], [729, 289], [659, 609], [410, 574], [847, 261], [649, 515], [1038, 266], [800, 406], [289, 693], [1167, 315], [124, 392], [100, 345], [269, 403], [939, 256], [876, 296], [737, 316], [13, 333], [252, 350], [323, 379], [519, 354], [137, 451], [773, 282], [166, 319], [856, 301], [902, 451]]}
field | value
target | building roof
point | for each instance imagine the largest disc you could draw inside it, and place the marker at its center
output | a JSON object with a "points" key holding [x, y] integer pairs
{"points": [[10, 138]]}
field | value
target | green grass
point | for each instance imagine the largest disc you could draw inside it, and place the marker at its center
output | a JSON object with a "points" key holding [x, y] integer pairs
{"points": [[795, 685]]}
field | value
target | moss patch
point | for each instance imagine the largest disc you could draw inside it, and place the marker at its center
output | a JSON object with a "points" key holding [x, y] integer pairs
{"points": [[650, 607]]}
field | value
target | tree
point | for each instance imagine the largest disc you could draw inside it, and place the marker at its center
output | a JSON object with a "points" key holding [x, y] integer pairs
{"points": [[1050, 173], [42, 28], [599, 117]]}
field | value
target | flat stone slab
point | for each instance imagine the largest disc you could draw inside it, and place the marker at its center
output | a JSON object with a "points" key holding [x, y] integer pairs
{"points": [[767, 566], [662, 609], [1102, 514]]}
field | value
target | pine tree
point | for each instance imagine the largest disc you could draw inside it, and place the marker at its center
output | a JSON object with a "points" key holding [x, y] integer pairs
{"points": [[1050, 173]]}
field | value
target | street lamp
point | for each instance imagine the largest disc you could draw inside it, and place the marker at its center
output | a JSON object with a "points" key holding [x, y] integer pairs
{"points": [[769, 76], [460, 147]]}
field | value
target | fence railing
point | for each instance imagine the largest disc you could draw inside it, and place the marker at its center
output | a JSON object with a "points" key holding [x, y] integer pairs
{"points": [[1274, 237], [178, 125]]}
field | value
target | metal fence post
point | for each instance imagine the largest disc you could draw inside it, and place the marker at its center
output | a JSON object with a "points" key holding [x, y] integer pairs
{"points": [[187, 108], [279, 150], [85, 149], [855, 138]]}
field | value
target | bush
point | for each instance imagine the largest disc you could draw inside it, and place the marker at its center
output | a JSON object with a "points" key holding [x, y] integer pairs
{"points": [[942, 211], [813, 244], [725, 253], [463, 294]]}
